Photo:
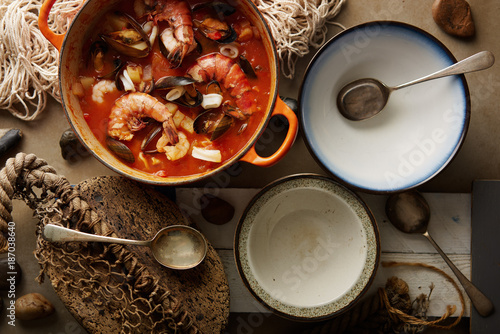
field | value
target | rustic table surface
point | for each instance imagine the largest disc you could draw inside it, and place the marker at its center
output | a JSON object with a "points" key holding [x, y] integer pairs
{"points": [[449, 193]]}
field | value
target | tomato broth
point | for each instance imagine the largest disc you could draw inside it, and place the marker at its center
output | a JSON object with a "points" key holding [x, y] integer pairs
{"points": [[97, 113]]}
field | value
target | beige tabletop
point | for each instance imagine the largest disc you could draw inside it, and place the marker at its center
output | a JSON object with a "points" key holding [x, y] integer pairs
{"points": [[479, 157]]}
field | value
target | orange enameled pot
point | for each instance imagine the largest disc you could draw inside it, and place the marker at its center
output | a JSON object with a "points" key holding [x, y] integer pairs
{"points": [[70, 48]]}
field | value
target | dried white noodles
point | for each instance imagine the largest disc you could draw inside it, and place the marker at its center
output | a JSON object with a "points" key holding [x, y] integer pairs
{"points": [[28, 62], [296, 25]]}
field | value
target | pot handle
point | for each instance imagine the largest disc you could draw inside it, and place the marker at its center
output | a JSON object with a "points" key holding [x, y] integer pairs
{"points": [[280, 108], [43, 18]]}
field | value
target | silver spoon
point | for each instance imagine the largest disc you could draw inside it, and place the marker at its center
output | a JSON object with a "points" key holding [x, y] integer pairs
{"points": [[365, 98], [410, 213], [175, 246]]}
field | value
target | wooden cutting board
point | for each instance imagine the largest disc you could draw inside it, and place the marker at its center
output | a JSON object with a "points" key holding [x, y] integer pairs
{"points": [[137, 211]]}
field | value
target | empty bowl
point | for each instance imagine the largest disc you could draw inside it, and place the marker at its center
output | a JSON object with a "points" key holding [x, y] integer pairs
{"points": [[414, 137], [306, 247]]}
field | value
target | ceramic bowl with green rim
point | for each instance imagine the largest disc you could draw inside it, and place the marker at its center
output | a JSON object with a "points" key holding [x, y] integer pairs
{"points": [[307, 247]]}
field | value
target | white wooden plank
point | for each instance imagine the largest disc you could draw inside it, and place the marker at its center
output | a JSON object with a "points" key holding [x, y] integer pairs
{"points": [[221, 236], [418, 280], [449, 226]]}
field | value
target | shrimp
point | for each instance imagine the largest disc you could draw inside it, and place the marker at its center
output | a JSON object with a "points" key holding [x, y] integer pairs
{"points": [[179, 40], [229, 74], [174, 152], [129, 110], [101, 88]]}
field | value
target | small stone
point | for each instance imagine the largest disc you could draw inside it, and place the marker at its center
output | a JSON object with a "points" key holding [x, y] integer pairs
{"points": [[454, 17], [33, 306], [71, 148]]}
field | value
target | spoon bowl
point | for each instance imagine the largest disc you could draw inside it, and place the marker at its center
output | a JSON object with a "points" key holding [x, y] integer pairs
{"points": [[175, 247], [365, 98], [409, 212], [362, 99]]}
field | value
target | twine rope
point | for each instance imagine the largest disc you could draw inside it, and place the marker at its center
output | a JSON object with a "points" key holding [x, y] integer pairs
{"points": [[143, 304], [29, 70], [409, 319], [297, 25]]}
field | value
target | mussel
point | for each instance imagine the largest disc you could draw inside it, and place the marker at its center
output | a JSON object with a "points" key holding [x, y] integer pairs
{"points": [[97, 51], [120, 149], [233, 111], [213, 87], [131, 41], [212, 122], [209, 21], [247, 67], [173, 81], [149, 138], [216, 30], [179, 90]]}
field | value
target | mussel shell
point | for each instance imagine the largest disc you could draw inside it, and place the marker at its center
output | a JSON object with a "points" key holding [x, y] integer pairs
{"points": [[213, 87], [212, 122], [206, 122], [126, 36], [120, 149], [231, 36], [124, 48], [227, 36], [222, 127], [247, 67], [148, 87], [97, 51], [190, 99], [233, 111], [171, 81], [150, 136], [117, 64]]}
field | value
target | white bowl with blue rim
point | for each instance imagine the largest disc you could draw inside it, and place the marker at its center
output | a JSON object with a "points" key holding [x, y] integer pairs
{"points": [[307, 247], [414, 137]]}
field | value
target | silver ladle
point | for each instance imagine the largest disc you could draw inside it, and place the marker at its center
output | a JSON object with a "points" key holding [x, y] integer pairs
{"points": [[365, 98], [175, 246], [409, 212]]}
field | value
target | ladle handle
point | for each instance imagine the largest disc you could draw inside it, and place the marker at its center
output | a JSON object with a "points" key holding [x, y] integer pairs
{"points": [[58, 233], [480, 61], [483, 304]]}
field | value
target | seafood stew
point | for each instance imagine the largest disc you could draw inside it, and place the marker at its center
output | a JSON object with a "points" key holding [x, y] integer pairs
{"points": [[174, 87]]}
